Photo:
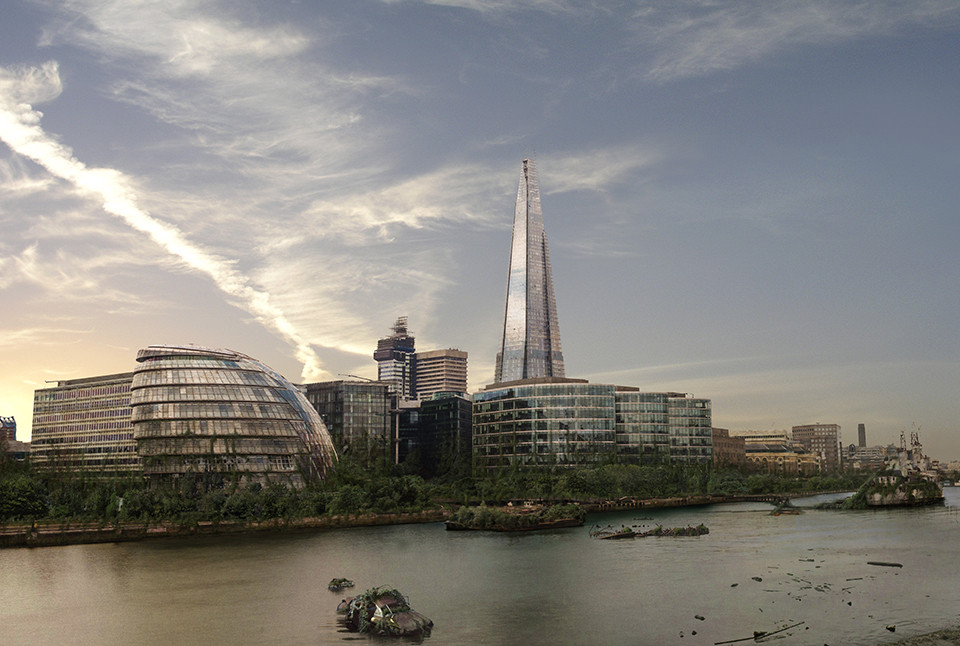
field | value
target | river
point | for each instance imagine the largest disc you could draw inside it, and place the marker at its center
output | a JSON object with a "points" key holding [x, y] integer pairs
{"points": [[552, 587]]}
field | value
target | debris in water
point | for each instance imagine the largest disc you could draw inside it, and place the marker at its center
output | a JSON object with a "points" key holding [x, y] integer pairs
{"points": [[885, 563]]}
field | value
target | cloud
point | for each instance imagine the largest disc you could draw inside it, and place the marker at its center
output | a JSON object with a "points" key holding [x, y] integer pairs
{"points": [[596, 170], [698, 37], [20, 130], [502, 6], [452, 194]]}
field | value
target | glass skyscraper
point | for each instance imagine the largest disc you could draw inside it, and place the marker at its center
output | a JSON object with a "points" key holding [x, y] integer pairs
{"points": [[530, 346]]}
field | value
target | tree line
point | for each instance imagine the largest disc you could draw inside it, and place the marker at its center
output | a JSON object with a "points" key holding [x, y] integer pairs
{"points": [[27, 494]]}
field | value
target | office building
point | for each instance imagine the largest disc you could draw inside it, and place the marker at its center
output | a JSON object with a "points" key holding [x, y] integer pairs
{"points": [[560, 422], [437, 371], [727, 450], [530, 344], [8, 429], [357, 415], [824, 441], [395, 361], [446, 431], [862, 435], [642, 426], [84, 425], [205, 417]]}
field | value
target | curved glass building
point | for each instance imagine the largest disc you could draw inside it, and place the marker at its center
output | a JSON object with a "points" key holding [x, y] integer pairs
{"points": [[212, 415]]}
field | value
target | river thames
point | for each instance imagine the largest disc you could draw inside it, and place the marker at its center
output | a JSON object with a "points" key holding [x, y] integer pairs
{"points": [[752, 572]]}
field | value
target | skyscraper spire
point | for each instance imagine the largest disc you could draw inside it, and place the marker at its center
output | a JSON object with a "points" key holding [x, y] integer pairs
{"points": [[530, 346]]}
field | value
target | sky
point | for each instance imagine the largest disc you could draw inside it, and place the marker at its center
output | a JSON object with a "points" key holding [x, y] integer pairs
{"points": [[753, 202]]}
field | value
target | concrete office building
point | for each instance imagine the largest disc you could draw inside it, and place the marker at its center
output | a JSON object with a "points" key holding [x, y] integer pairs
{"points": [[823, 440], [203, 417], [84, 425], [440, 371], [727, 450]]}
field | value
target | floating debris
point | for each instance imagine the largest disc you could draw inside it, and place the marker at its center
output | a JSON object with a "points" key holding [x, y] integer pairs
{"points": [[611, 532], [338, 584], [884, 563], [760, 634]]}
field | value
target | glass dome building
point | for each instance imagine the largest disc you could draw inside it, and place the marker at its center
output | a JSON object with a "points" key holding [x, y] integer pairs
{"points": [[206, 415]]}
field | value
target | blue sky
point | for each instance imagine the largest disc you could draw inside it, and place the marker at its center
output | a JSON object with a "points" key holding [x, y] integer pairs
{"points": [[753, 202]]}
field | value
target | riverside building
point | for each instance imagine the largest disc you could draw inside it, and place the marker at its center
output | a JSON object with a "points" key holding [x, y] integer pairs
{"points": [[203, 416], [84, 425], [823, 440], [560, 422]]}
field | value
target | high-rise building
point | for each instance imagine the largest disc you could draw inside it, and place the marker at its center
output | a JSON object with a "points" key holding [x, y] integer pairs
{"points": [[822, 440], [437, 371], [395, 363], [530, 345], [84, 424], [862, 435], [203, 416]]}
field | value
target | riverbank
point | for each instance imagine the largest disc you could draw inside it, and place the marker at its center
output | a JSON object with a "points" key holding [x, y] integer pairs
{"points": [[51, 534]]}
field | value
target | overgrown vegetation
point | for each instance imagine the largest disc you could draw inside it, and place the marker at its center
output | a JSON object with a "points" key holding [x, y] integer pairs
{"points": [[26, 494], [484, 517]]}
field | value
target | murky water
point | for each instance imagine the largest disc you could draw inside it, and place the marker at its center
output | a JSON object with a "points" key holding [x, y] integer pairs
{"points": [[558, 587]]}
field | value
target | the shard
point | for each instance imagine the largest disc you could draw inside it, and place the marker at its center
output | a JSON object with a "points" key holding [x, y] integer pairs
{"points": [[530, 347]]}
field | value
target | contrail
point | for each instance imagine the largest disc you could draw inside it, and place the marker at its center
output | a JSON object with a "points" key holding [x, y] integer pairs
{"points": [[20, 129]]}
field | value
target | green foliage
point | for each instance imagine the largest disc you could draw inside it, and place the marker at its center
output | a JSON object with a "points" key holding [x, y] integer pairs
{"points": [[21, 498]]}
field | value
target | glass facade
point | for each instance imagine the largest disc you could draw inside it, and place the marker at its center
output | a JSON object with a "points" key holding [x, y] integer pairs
{"points": [[691, 428], [643, 426], [446, 422], [556, 423], [209, 414], [357, 414], [530, 345], [84, 425], [568, 423]]}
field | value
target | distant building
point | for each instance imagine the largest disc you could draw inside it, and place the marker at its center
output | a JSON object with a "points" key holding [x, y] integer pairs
{"points": [[823, 440], [203, 417], [8, 429], [562, 422], [862, 435], [530, 344], [868, 458], [85, 425], [727, 450], [356, 413], [437, 371], [395, 360]]}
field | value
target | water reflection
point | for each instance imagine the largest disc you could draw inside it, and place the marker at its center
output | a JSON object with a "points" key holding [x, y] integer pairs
{"points": [[542, 588]]}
